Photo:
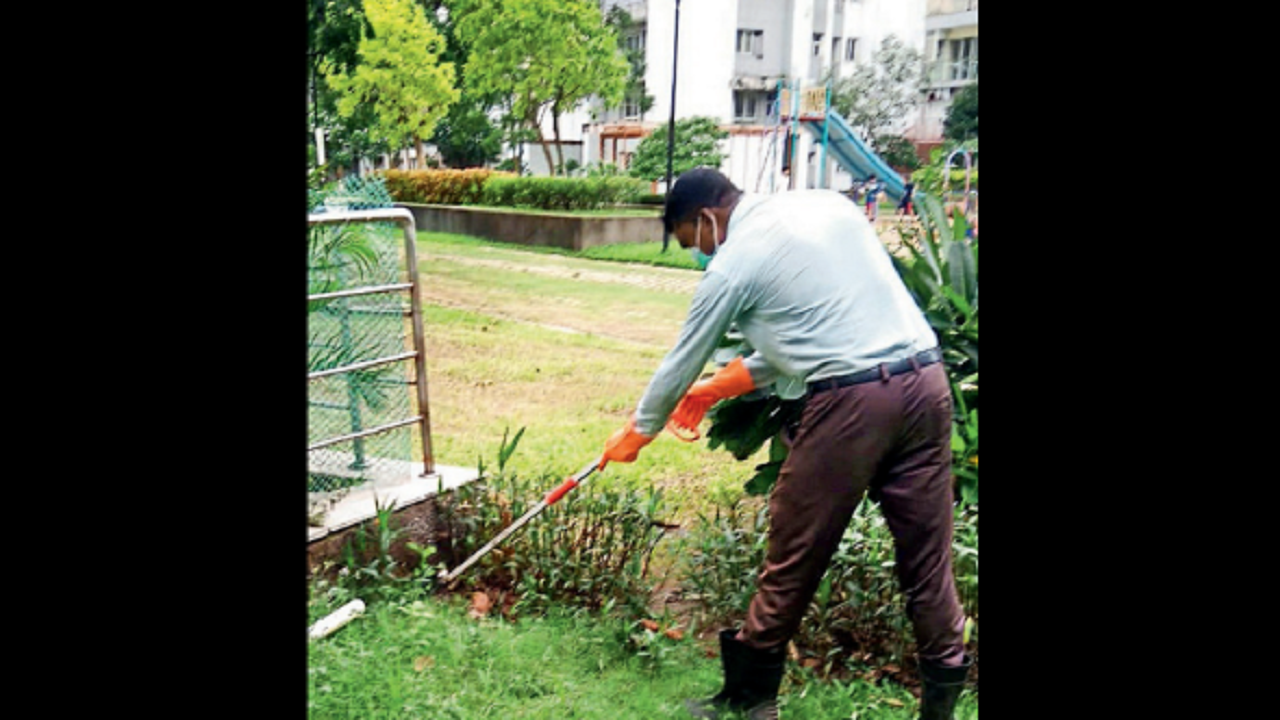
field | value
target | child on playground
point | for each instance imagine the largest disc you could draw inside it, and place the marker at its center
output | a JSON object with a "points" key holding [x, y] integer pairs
{"points": [[872, 198], [905, 203]]}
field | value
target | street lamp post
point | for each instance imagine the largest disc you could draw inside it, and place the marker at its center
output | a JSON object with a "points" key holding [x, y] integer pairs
{"points": [[671, 123]]}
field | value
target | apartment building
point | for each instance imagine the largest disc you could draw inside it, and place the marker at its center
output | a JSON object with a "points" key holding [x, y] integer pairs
{"points": [[951, 47], [732, 56]]}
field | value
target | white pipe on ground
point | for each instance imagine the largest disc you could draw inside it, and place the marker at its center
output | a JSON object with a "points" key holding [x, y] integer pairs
{"points": [[330, 623]]}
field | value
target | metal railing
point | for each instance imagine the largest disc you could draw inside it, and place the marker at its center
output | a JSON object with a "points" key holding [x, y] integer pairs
{"points": [[355, 374], [950, 72]]}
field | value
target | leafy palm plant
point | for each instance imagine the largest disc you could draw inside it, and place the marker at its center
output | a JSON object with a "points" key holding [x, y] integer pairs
{"points": [[942, 276], [341, 256]]}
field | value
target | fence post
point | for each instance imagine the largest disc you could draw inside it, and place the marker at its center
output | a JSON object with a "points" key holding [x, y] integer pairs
{"points": [[419, 340]]}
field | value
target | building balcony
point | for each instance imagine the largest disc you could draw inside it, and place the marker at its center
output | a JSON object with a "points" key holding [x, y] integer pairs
{"points": [[952, 14], [948, 74]]}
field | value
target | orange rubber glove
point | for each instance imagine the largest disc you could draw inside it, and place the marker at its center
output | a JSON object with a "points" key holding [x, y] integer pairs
{"points": [[624, 445], [729, 381]]}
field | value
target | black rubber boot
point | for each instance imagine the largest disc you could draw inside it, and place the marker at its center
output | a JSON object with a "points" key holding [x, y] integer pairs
{"points": [[751, 681], [940, 686]]}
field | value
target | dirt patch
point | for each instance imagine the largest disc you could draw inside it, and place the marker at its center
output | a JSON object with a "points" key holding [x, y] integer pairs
{"points": [[648, 278]]}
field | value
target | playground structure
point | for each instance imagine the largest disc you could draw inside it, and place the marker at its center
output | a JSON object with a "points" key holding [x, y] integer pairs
{"points": [[970, 197], [797, 107]]}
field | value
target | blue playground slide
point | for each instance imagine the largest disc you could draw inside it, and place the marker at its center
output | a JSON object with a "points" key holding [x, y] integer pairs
{"points": [[853, 155]]}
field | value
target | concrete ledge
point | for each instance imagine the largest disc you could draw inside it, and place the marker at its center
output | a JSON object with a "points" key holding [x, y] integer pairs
{"points": [[571, 232], [360, 503]]}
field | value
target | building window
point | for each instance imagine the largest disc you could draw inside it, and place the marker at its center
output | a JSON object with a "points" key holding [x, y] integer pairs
{"points": [[751, 42], [817, 44], [753, 106], [744, 105], [850, 49], [635, 42], [963, 59], [631, 104]]}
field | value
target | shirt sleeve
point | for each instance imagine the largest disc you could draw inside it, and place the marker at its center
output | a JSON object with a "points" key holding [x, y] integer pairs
{"points": [[715, 304], [762, 373]]}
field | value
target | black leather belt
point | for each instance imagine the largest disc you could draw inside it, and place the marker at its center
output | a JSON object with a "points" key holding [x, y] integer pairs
{"points": [[883, 371]]}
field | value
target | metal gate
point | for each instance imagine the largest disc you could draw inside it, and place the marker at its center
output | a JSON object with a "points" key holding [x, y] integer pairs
{"points": [[362, 418]]}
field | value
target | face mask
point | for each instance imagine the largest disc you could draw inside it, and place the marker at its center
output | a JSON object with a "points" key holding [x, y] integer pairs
{"points": [[700, 258]]}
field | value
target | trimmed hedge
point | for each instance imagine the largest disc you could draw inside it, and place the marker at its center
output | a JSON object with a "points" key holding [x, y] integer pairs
{"points": [[440, 187], [481, 186], [563, 193]]}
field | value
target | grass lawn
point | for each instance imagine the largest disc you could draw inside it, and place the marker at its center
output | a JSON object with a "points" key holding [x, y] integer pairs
{"points": [[646, 253], [515, 339], [427, 659]]}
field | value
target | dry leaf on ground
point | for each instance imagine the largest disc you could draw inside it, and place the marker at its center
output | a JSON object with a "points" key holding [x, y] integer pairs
{"points": [[480, 604], [423, 662]]}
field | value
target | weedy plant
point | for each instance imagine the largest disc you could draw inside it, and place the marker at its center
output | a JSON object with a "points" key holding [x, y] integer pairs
{"points": [[591, 550], [857, 617], [720, 558], [369, 570]]}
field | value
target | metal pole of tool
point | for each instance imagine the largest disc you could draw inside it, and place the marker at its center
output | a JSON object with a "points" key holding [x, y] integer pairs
{"points": [[550, 499]]}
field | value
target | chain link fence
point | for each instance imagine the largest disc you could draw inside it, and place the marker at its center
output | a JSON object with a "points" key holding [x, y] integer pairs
{"points": [[361, 408]]}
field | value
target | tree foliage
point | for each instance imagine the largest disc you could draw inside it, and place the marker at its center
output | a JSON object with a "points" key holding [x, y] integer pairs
{"points": [[399, 74], [334, 31], [465, 137], [897, 151], [546, 55], [879, 95], [961, 122], [696, 145]]}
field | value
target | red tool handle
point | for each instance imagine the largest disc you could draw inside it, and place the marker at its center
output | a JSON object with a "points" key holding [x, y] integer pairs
{"points": [[570, 483], [559, 492]]}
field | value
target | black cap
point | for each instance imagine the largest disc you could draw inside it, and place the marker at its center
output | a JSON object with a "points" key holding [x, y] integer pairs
{"points": [[695, 189]]}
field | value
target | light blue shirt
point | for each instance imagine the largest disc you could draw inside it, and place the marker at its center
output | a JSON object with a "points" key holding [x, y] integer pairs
{"points": [[811, 288]]}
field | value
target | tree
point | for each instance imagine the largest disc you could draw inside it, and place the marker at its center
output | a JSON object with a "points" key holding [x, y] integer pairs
{"points": [[695, 145], [399, 74], [465, 137], [961, 122], [334, 30], [879, 94], [897, 151], [546, 55]]}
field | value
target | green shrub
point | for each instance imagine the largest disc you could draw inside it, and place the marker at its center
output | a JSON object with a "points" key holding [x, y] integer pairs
{"points": [[857, 617], [439, 187], [942, 277], [929, 178], [591, 550], [563, 193]]}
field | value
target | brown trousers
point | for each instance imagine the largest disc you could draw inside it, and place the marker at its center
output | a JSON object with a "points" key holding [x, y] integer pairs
{"points": [[894, 437]]}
